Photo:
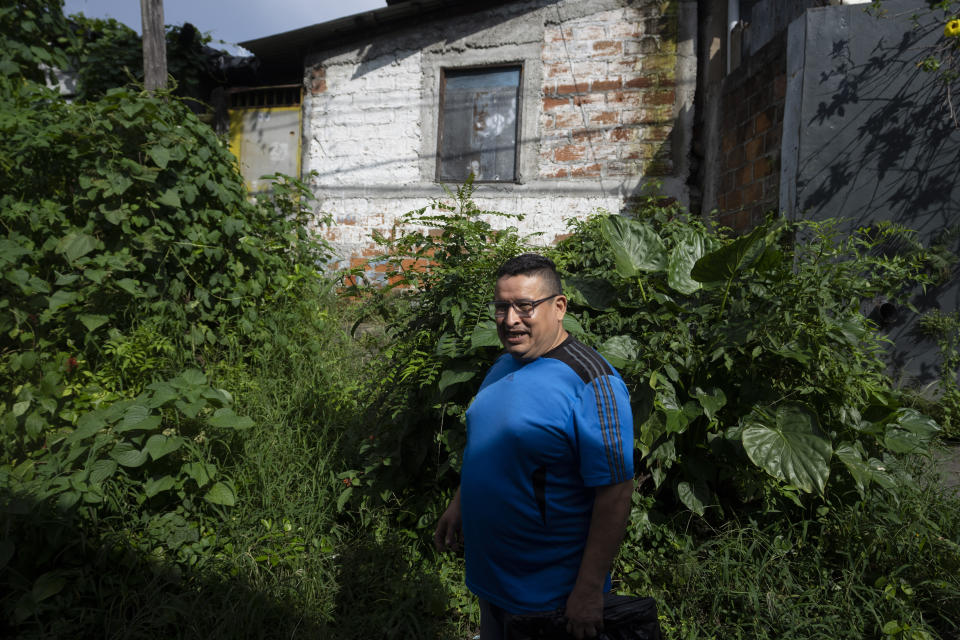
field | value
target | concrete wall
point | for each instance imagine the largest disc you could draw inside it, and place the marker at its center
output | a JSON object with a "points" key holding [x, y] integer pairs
{"points": [[606, 96], [868, 137]]}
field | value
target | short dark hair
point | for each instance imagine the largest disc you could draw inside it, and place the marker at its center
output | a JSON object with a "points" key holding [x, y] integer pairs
{"points": [[530, 264]]}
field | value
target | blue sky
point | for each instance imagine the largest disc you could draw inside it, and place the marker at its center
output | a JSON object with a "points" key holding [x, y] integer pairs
{"points": [[230, 21]]}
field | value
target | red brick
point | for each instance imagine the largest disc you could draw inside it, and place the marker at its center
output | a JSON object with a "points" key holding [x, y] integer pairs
{"points": [[780, 86], [606, 85], [553, 103], [735, 158], [753, 149], [585, 172], [559, 173], [761, 122], [741, 221], [728, 142], [564, 89], [608, 47], [733, 200], [568, 153], [556, 70], [752, 193], [666, 80], [745, 175], [586, 134], [643, 82], [762, 168], [567, 120], [661, 132], [318, 82], [621, 134], [619, 97], [604, 117], [590, 98], [664, 96], [625, 30]]}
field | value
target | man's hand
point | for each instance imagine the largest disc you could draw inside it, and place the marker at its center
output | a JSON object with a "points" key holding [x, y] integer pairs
{"points": [[611, 509], [585, 613], [449, 534]]}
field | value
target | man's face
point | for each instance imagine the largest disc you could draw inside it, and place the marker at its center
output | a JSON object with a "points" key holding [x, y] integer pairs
{"points": [[529, 338]]}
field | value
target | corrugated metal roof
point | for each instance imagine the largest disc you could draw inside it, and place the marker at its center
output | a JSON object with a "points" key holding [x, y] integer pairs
{"points": [[290, 47]]}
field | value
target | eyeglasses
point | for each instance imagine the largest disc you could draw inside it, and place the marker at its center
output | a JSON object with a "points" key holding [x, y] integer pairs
{"points": [[524, 308]]}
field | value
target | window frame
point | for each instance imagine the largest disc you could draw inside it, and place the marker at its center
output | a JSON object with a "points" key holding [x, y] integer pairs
{"points": [[517, 142]]}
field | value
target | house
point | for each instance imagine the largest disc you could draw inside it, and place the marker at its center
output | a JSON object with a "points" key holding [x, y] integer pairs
{"points": [[815, 108], [558, 107]]}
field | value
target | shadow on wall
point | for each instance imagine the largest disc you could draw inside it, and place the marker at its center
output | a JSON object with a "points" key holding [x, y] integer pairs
{"points": [[882, 145], [386, 50], [878, 143]]}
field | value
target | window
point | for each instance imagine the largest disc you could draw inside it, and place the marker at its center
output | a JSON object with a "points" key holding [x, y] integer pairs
{"points": [[478, 124]]}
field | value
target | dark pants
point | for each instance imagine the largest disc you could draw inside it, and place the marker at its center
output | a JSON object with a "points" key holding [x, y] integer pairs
{"points": [[493, 621]]}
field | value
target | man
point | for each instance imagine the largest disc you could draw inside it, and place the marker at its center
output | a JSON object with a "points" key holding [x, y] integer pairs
{"points": [[547, 471]]}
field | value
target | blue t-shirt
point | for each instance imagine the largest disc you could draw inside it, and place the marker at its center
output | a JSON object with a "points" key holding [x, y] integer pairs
{"points": [[540, 436]]}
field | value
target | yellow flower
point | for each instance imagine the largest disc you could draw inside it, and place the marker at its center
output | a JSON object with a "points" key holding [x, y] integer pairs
{"points": [[952, 30]]}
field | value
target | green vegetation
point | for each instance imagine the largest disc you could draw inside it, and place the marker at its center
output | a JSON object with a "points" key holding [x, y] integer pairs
{"points": [[203, 436]]}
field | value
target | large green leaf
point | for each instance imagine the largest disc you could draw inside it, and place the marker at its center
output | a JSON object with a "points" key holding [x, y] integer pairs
{"points": [[572, 325], [159, 445], [712, 400], [76, 245], [596, 293], [92, 321], [731, 258], [153, 486], [636, 246], [226, 418], [910, 432], [128, 455], [48, 585], [101, 470], [87, 425], [62, 298], [681, 262], [485, 335], [221, 493], [455, 375], [619, 350], [789, 446], [863, 471], [695, 495], [201, 472]]}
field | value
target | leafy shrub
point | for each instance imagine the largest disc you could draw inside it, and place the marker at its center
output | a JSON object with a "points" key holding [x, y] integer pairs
{"points": [[130, 253], [438, 282], [754, 374], [755, 377]]}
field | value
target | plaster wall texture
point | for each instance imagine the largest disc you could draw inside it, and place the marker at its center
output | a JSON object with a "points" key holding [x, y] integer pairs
{"points": [[602, 102]]}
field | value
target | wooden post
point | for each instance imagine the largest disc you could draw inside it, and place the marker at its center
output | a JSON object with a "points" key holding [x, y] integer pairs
{"points": [[154, 45]]}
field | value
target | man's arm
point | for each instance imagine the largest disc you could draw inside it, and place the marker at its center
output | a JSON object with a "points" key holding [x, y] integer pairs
{"points": [[611, 510], [448, 535]]}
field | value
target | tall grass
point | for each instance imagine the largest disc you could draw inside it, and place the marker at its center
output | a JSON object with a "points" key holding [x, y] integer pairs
{"points": [[884, 566]]}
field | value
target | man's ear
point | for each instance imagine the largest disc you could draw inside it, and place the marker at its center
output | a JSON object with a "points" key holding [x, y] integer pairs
{"points": [[560, 304]]}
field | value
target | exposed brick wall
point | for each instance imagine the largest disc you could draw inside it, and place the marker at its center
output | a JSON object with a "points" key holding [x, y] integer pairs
{"points": [[609, 90], [603, 91], [752, 123]]}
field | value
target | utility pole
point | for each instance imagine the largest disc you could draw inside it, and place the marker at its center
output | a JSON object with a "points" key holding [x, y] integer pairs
{"points": [[154, 45]]}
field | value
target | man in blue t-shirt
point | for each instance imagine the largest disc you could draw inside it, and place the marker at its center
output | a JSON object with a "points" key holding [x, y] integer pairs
{"points": [[547, 471]]}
